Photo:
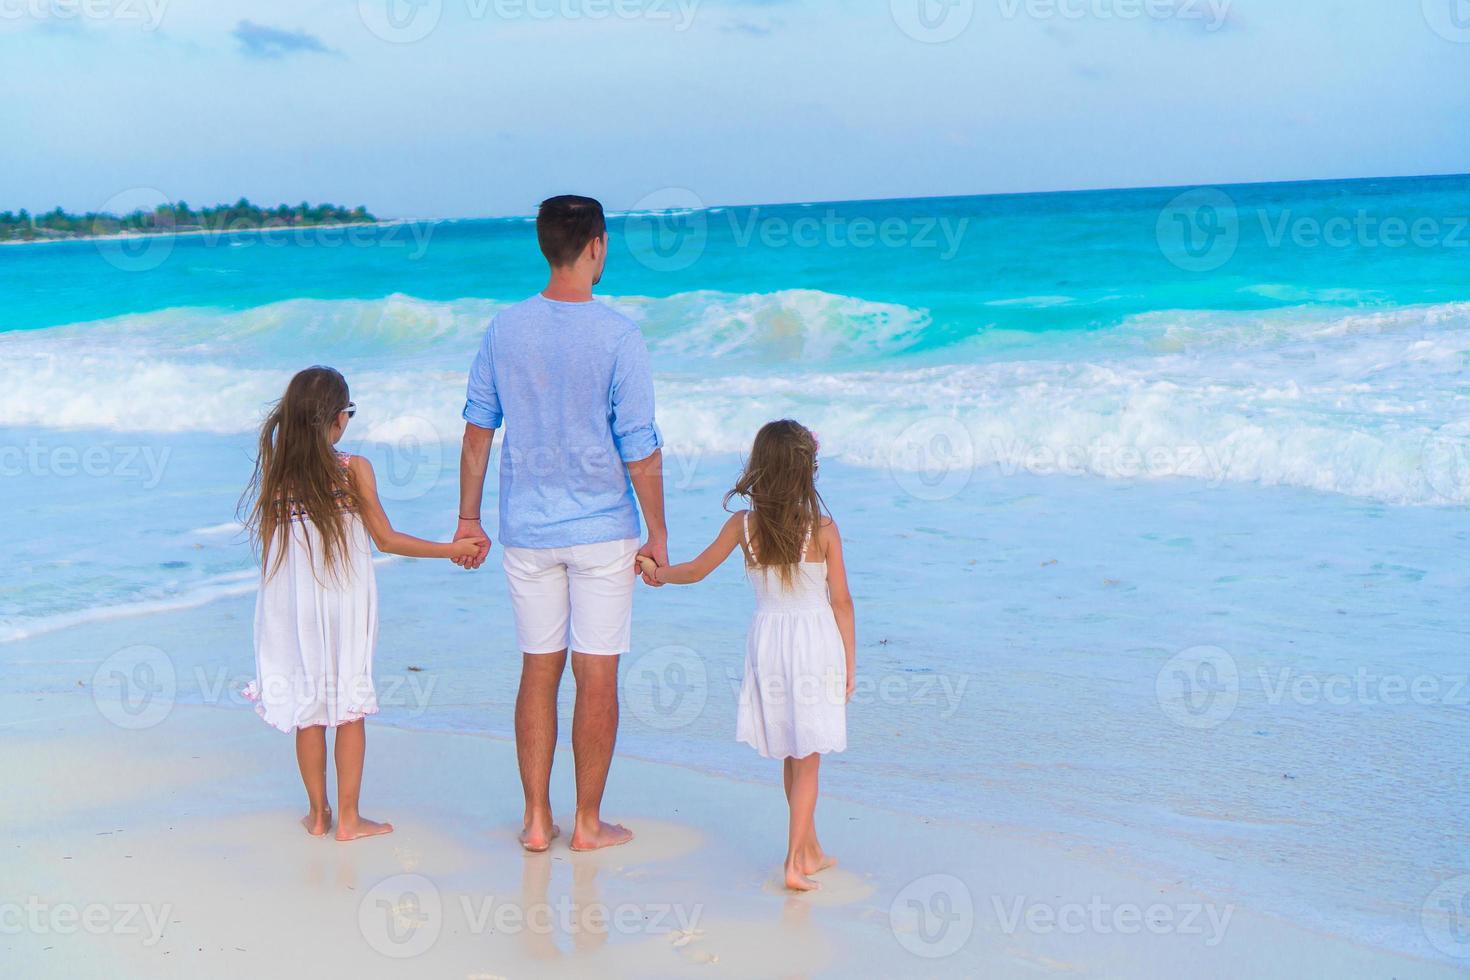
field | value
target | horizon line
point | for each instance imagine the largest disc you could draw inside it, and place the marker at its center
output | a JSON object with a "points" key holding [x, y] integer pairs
{"points": [[400, 218], [987, 194]]}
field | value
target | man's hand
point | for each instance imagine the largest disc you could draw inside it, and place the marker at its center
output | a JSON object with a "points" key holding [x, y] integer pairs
{"points": [[658, 550], [474, 531]]}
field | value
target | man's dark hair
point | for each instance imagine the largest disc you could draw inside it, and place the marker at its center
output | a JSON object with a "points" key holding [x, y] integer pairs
{"points": [[565, 225]]}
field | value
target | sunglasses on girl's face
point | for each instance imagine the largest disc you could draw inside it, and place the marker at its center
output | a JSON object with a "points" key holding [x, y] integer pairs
{"points": [[351, 409]]}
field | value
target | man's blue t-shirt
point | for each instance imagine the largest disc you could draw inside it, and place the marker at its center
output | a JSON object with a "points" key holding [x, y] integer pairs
{"points": [[574, 381]]}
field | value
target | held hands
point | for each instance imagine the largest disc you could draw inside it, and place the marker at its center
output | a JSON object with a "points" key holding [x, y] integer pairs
{"points": [[654, 554], [476, 545], [469, 549]]}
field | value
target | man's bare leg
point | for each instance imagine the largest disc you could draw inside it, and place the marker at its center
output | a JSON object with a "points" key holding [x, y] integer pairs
{"points": [[536, 743], [594, 735]]}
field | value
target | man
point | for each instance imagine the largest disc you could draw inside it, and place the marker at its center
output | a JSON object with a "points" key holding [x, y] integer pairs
{"points": [[572, 377]]}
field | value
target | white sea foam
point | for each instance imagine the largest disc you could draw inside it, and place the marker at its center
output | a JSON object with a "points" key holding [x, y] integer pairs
{"points": [[793, 325], [223, 586], [218, 530], [218, 587], [1032, 302], [1355, 402]]}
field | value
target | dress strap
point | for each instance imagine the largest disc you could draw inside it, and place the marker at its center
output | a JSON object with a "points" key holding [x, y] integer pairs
{"points": [[749, 541]]}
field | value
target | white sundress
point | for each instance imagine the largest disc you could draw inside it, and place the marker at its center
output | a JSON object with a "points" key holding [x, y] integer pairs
{"points": [[315, 631], [793, 701]]}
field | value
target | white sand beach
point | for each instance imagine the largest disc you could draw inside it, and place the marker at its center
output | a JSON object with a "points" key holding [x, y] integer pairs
{"points": [[174, 850]]}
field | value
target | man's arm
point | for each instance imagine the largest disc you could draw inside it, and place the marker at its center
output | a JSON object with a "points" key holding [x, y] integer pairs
{"points": [[474, 459], [639, 443], [648, 485]]}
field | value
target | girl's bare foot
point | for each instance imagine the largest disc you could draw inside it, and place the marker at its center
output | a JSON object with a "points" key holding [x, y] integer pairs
{"points": [[357, 827], [603, 835], [816, 861], [536, 837], [318, 822], [798, 882]]}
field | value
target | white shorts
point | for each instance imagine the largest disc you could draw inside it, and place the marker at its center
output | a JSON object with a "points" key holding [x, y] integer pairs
{"points": [[585, 591]]}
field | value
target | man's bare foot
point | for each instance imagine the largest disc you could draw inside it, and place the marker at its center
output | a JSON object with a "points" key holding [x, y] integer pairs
{"points": [[537, 839], [360, 827], [798, 882], [317, 823], [603, 835]]}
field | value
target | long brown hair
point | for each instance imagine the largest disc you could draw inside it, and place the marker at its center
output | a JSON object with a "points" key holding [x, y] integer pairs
{"points": [[780, 481], [297, 471]]}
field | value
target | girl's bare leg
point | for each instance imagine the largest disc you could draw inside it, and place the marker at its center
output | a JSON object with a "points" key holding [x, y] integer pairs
{"points": [[311, 757], [803, 802], [349, 751], [812, 858]]}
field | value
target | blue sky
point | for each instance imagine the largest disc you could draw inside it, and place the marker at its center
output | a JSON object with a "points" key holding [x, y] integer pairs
{"points": [[502, 102]]}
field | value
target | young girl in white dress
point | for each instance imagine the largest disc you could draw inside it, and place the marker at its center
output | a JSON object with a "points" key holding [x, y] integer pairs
{"points": [[311, 511], [800, 656]]}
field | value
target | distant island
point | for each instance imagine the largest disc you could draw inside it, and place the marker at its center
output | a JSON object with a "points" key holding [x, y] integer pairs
{"points": [[167, 219]]}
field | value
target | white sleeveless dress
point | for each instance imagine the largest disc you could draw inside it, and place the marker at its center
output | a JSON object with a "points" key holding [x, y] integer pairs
{"points": [[793, 701], [315, 631]]}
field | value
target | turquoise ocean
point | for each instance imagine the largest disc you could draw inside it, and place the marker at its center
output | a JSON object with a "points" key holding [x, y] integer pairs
{"points": [[1155, 500]]}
